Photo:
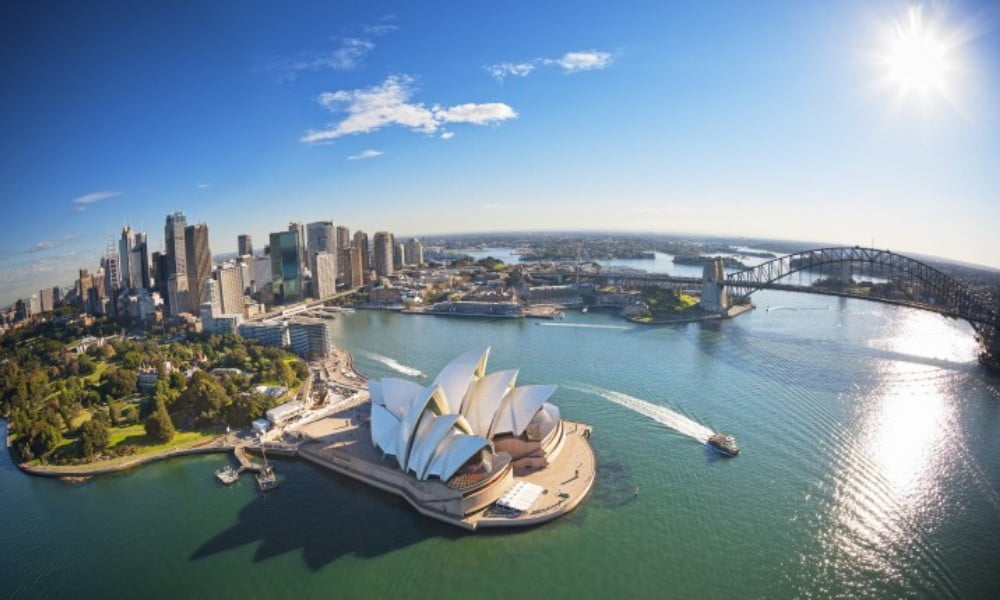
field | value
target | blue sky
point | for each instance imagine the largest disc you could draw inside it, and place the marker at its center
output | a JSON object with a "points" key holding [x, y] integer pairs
{"points": [[759, 119]]}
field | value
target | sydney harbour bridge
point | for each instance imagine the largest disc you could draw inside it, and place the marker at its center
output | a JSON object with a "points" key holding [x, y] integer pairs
{"points": [[866, 273]]}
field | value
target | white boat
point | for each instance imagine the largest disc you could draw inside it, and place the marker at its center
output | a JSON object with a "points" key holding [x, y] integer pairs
{"points": [[227, 475], [266, 479]]}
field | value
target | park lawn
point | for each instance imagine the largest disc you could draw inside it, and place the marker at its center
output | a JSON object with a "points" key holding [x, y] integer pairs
{"points": [[136, 436], [99, 370], [80, 419]]}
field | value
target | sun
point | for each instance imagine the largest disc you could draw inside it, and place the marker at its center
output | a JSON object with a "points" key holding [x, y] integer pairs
{"points": [[918, 58]]}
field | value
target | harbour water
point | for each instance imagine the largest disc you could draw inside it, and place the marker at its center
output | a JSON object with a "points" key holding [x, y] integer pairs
{"points": [[870, 468]]}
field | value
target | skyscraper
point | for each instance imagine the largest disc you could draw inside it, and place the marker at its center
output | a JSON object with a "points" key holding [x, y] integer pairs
{"points": [[300, 231], [399, 255], [414, 252], [343, 237], [324, 273], [322, 237], [244, 245], [199, 261], [125, 245], [352, 272], [45, 298], [361, 242], [382, 252], [286, 268], [174, 267], [139, 263], [230, 279]]}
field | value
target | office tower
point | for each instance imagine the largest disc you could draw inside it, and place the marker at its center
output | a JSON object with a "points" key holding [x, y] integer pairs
{"points": [[261, 272], [244, 245], [83, 287], [399, 255], [210, 297], [343, 237], [286, 268], [159, 272], [353, 272], [414, 252], [175, 282], [245, 264], [361, 242], [139, 263], [125, 245], [199, 261], [230, 285], [34, 304], [324, 273], [300, 231], [173, 241], [57, 296], [382, 252], [45, 300], [322, 236]]}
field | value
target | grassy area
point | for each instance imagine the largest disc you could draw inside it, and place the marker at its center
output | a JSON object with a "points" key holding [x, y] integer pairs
{"points": [[80, 419], [133, 435], [99, 370]]}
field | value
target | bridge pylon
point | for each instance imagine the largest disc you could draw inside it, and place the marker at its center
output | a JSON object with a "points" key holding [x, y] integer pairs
{"points": [[989, 347], [714, 295]]}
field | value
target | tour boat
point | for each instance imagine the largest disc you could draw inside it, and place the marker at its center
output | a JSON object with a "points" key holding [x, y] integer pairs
{"points": [[227, 475], [724, 444]]}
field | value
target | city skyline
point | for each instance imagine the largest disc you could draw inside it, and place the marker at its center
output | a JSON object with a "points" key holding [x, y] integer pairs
{"points": [[754, 121]]}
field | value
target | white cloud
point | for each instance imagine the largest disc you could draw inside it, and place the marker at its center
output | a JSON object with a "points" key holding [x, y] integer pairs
{"points": [[480, 114], [389, 103], [447, 135], [501, 70], [571, 62], [348, 55], [202, 186], [380, 29], [80, 203], [589, 60], [365, 154]]}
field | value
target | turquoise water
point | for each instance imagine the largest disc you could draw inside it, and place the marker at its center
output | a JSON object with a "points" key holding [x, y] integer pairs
{"points": [[870, 467]]}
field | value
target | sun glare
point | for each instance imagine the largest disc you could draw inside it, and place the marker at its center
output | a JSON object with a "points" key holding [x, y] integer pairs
{"points": [[918, 57]]}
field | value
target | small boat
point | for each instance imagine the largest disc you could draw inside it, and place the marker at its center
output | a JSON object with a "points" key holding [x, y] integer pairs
{"points": [[584, 309], [266, 479], [227, 475], [724, 444]]}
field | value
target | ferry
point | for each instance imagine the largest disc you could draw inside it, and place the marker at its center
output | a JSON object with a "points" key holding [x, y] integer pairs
{"points": [[227, 475], [723, 444], [266, 479]]}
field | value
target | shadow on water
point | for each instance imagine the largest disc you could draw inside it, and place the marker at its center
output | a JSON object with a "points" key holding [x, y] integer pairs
{"points": [[614, 487], [324, 516]]}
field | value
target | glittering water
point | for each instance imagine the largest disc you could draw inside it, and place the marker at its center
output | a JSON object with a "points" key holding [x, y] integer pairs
{"points": [[871, 468]]}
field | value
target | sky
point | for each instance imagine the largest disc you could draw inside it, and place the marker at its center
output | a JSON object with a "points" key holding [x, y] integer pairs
{"points": [[794, 120]]}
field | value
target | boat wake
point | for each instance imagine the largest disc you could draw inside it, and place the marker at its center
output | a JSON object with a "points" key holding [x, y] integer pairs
{"points": [[585, 325], [660, 414], [395, 365]]}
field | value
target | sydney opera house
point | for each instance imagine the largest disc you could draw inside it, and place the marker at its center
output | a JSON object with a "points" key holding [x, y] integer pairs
{"points": [[472, 448]]}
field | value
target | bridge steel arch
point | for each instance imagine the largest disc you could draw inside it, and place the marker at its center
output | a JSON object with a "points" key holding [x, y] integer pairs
{"points": [[941, 293]]}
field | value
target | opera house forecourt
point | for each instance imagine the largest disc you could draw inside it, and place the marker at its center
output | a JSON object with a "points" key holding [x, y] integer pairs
{"points": [[471, 449]]}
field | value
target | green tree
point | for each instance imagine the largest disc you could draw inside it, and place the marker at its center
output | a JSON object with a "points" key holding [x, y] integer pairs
{"points": [[121, 383], [205, 397], [94, 437], [132, 359], [159, 427]]}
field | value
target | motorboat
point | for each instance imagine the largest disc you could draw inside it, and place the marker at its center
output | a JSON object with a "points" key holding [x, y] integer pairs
{"points": [[266, 479], [227, 475], [723, 444]]}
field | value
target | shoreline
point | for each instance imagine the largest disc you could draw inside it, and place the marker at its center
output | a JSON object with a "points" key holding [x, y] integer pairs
{"points": [[734, 311]]}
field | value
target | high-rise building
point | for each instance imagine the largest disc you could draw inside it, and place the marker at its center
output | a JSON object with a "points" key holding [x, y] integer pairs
{"points": [[57, 296], [125, 245], [45, 300], [244, 244], [230, 279], [159, 272], [300, 230], [112, 268], [414, 252], [139, 263], [382, 253], [34, 305], [174, 265], [211, 297], [199, 261], [322, 237], [399, 255], [343, 237], [286, 268], [324, 273], [361, 242], [353, 273], [261, 272], [173, 241]]}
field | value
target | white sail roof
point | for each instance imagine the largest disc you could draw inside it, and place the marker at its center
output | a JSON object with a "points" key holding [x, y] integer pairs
{"points": [[484, 398], [430, 400], [434, 430], [456, 377], [518, 407]]}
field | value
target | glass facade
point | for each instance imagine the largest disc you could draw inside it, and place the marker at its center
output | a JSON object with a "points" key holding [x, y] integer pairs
{"points": [[286, 272]]}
